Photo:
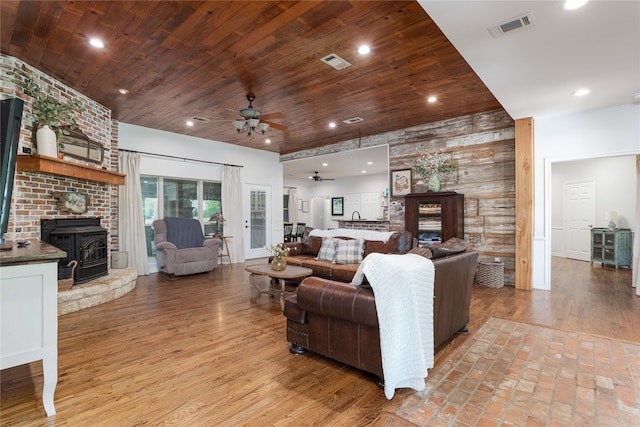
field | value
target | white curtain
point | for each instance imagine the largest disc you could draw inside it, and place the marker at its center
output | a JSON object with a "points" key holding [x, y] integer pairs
{"points": [[293, 205], [635, 279], [131, 237], [232, 211]]}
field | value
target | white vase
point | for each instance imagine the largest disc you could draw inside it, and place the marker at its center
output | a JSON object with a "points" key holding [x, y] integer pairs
{"points": [[46, 142], [434, 183]]}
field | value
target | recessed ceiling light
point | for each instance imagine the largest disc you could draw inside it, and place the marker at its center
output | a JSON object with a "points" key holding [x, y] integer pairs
{"points": [[332, 125], [581, 92], [97, 43], [369, 163], [325, 164], [189, 123], [364, 49], [574, 4], [432, 99], [267, 141], [123, 91], [363, 171]]}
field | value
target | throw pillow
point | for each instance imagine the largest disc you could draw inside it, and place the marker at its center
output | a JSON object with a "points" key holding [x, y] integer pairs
{"points": [[327, 251], [425, 252], [312, 245], [349, 251], [450, 247]]}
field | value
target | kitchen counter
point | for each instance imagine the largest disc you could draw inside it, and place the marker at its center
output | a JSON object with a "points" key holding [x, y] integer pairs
{"points": [[364, 224], [36, 251]]}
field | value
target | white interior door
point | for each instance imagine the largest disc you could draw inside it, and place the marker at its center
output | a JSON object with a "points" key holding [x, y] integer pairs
{"points": [[580, 214], [371, 206], [318, 216], [257, 220]]}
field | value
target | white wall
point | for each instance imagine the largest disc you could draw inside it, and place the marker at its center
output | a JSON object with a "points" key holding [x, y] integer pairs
{"points": [[611, 175], [258, 166], [338, 188], [606, 132]]}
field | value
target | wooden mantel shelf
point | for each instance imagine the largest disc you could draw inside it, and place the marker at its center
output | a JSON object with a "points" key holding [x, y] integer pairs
{"points": [[45, 164]]}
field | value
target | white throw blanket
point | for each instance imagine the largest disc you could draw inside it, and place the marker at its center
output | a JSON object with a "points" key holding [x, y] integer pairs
{"points": [[354, 234], [403, 289]]}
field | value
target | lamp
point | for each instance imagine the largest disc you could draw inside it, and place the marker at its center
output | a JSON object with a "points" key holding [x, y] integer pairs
{"points": [[611, 217], [251, 121]]}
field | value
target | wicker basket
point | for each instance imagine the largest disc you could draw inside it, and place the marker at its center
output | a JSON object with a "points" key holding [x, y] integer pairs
{"points": [[67, 272], [491, 274]]}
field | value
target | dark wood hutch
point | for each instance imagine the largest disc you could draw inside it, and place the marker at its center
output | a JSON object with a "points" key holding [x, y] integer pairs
{"points": [[434, 217]]}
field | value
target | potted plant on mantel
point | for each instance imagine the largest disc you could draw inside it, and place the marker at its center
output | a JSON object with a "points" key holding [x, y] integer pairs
{"points": [[48, 113]]}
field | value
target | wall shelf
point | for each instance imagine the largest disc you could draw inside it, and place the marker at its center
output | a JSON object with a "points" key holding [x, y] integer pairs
{"points": [[51, 165]]}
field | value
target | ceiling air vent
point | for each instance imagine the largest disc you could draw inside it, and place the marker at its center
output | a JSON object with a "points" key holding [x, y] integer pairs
{"points": [[512, 24], [199, 119], [335, 61], [353, 120]]}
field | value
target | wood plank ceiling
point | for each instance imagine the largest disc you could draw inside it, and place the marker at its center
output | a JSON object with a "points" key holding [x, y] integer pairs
{"points": [[180, 59]]}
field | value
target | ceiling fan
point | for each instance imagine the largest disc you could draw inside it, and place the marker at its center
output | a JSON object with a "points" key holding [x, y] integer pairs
{"points": [[318, 178], [255, 121]]}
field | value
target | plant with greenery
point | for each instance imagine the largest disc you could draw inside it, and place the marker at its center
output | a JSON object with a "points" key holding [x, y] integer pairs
{"points": [[278, 251], [433, 164], [45, 108]]}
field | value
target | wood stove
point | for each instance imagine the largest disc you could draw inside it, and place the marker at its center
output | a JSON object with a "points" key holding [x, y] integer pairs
{"points": [[84, 240]]}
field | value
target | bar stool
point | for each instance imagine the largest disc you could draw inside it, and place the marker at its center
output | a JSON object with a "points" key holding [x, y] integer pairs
{"points": [[300, 229], [288, 232]]}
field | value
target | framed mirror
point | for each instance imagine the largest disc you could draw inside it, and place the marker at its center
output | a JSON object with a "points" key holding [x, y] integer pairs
{"points": [[76, 144]]}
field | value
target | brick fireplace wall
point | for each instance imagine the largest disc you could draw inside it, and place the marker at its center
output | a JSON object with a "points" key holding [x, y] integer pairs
{"points": [[32, 192]]}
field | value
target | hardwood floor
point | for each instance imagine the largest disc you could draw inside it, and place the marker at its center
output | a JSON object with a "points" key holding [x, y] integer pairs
{"points": [[194, 351]]}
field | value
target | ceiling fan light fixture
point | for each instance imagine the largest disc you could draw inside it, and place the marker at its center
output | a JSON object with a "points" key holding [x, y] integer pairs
{"points": [[252, 123], [262, 126], [238, 125]]}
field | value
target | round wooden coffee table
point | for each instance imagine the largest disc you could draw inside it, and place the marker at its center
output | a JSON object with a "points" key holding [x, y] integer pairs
{"points": [[291, 272]]}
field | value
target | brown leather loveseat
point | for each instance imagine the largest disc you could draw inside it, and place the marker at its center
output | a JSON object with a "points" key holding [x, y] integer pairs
{"points": [[339, 320], [305, 254]]}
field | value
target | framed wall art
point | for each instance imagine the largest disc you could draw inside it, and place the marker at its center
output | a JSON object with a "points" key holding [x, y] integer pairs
{"points": [[305, 206], [337, 206], [400, 182], [72, 201]]}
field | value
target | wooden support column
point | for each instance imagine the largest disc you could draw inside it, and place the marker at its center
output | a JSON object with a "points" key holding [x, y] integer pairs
{"points": [[524, 202]]}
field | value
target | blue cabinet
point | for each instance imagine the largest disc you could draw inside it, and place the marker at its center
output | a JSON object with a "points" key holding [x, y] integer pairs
{"points": [[612, 247]]}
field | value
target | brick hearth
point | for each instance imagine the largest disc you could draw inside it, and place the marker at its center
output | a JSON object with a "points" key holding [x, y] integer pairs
{"points": [[119, 282]]}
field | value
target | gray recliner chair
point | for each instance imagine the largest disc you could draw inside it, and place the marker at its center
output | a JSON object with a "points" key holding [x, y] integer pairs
{"points": [[181, 247]]}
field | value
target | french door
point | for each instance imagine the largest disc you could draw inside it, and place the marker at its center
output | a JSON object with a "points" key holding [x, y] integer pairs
{"points": [[257, 220]]}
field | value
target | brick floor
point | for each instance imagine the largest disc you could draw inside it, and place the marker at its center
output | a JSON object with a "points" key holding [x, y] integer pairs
{"points": [[516, 374]]}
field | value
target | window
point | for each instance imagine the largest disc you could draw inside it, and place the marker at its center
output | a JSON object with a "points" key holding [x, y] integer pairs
{"points": [[285, 208], [180, 198], [149, 186]]}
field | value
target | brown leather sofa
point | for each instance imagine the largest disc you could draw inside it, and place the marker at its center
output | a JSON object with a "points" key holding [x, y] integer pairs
{"points": [[304, 254], [339, 320]]}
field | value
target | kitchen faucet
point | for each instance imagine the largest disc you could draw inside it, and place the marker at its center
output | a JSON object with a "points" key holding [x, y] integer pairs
{"points": [[355, 212]]}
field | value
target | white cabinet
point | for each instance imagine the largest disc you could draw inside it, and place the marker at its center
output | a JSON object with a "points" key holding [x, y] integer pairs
{"points": [[29, 320]]}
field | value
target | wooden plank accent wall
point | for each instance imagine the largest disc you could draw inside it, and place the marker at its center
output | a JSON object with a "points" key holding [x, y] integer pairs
{"points": [[483, 148], [524, 202]]}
